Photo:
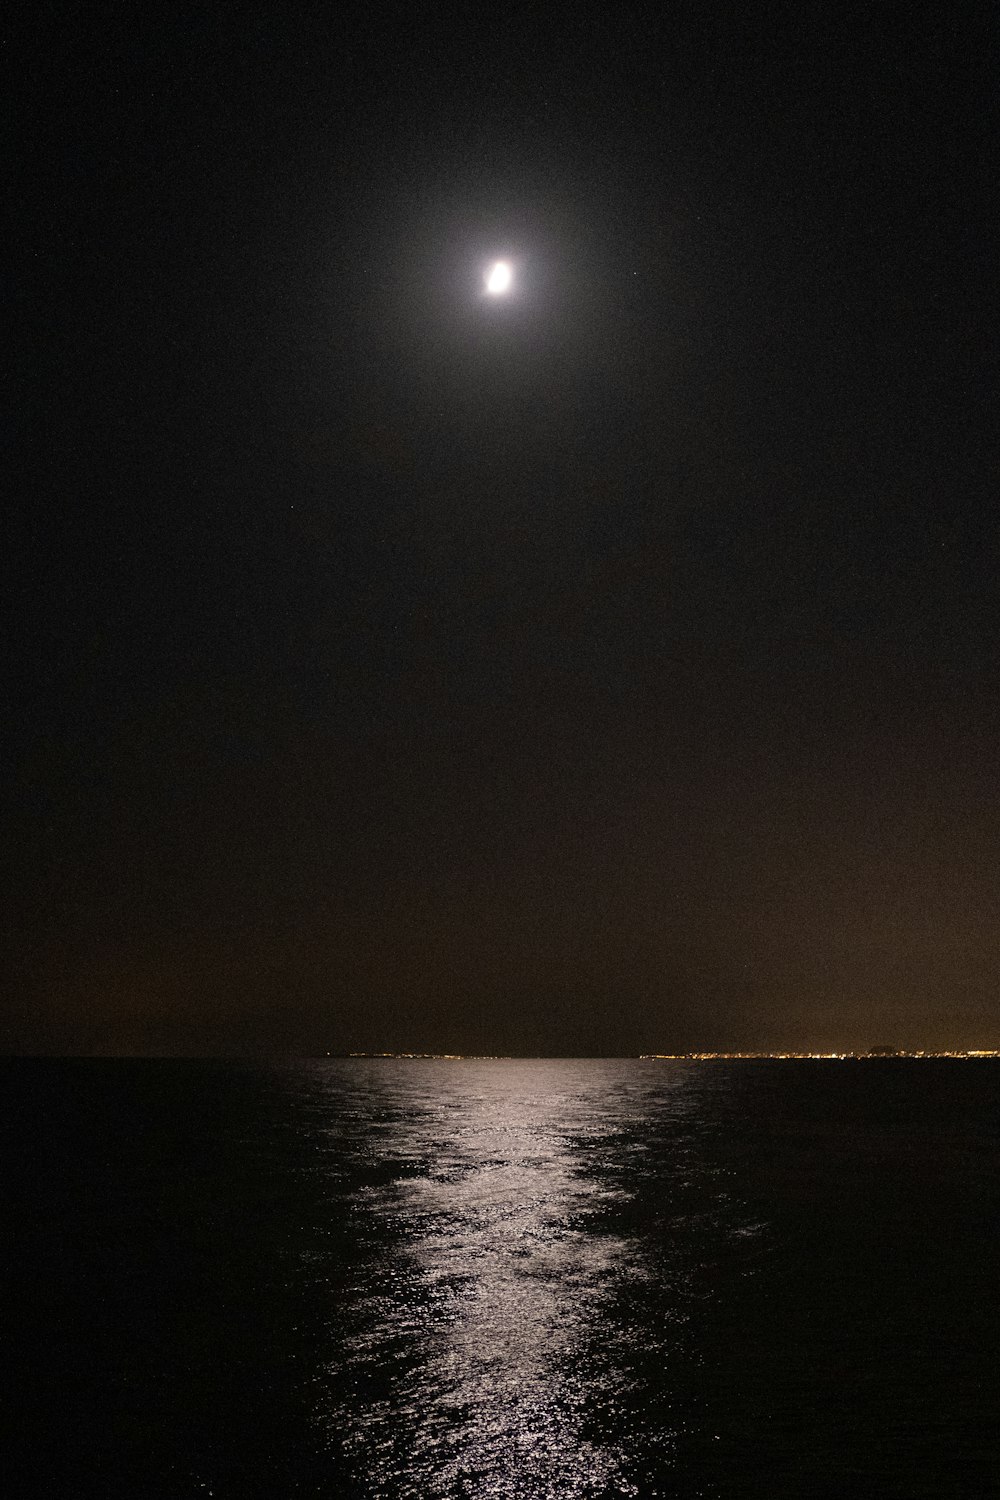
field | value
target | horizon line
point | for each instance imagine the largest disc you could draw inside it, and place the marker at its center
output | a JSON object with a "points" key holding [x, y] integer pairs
{"points": [[872, 1054]]}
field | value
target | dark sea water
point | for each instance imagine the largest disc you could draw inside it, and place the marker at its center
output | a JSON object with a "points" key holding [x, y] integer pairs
{"points": [[502, 1278]]}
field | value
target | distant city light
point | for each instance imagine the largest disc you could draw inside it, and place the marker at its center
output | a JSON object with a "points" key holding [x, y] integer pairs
{"points": [[877, 1054]]}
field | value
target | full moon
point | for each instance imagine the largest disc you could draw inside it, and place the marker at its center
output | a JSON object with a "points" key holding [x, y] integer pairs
{"points": [[498, 279]]}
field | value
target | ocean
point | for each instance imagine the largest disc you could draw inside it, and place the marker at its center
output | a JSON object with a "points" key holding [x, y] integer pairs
{"points": [[501, 1278]]}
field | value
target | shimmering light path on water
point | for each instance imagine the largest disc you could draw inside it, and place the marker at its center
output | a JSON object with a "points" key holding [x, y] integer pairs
{"points": [[432, 1279], [506, 1260]]}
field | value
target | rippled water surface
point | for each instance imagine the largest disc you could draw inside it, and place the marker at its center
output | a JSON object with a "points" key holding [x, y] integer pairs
{"points": [[503, 1278]]}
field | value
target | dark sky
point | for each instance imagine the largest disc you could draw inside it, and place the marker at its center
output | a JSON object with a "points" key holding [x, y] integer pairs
{"points": [[605, 669]]}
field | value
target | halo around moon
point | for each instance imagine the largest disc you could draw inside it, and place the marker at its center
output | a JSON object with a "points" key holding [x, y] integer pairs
{"points": [[498, 278]]}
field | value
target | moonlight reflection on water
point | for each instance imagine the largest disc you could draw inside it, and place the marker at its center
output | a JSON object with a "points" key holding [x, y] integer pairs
{"points": [[484, 1316]]}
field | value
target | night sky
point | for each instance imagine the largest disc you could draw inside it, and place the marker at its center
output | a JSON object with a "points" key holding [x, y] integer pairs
{"points": [[609, 667]]}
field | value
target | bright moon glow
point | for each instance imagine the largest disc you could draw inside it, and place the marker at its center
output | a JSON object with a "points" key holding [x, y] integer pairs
{"points": [[499, 278]]}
